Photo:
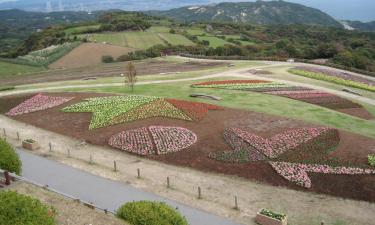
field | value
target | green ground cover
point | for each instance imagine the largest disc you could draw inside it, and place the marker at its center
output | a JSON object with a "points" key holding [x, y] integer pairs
{"points": [[7, 69], [214, 41]]}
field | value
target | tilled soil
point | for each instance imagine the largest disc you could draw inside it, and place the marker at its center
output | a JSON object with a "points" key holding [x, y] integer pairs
{"points": [[353, 149], [108, 70]]}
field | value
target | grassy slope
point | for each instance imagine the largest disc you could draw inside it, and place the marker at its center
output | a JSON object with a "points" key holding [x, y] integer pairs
{"points": [[214, 41], [7, 69], [176, 39], [256, 102]]}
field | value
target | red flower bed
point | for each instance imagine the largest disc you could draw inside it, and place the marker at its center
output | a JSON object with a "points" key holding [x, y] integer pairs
{"points": [[195, 110], [232, 82]]}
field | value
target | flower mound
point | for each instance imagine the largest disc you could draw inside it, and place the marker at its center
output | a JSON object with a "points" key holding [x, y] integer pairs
{"points": [[171, 139], [120, 109], [153, 140], [136, 141], [298, 172], [37, 103]]}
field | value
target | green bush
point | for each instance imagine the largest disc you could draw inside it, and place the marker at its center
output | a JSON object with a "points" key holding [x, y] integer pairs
{"points": [[150, 213], [107, 59], [371, 160], [17, 209], [7, 88], [269, 213], [9, 159]]}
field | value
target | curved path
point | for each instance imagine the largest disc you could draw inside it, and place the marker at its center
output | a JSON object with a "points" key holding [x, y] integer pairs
{"points": [[102, 192], [239, 73]]}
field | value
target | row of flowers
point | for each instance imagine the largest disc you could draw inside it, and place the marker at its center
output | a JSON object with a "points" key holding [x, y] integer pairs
{"points": [[163, 140], [38, 102], [298, 172], [279, 143], [231, 82], [119, 109], [243, 86], [334, 79], [301, 94]]}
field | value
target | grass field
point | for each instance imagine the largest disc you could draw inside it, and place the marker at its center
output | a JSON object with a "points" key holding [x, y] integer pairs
{"points": [[81, 29], [7, 69], [175, 39], [139, 40], [198, 32], [214, 41]]}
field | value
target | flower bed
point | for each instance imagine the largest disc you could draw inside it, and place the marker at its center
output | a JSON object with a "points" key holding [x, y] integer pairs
{"points": [[171, 139], [136, 141], [242, 85], [195, 110], [163, 140], [347, 80], [120, 109], [231, 82], [298, 172], [249, 147], [37, 103]]}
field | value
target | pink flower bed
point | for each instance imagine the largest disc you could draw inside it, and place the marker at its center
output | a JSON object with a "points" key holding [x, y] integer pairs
{"points": [[172, 139], [136, 141], [37, 103], [163, 140], [279, 143], [301, 94], [298, 173]]}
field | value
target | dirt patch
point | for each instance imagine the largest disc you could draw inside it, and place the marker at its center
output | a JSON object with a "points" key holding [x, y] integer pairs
{"points": [[353, 149], [68, 211], [149, 67], [88, 54]]}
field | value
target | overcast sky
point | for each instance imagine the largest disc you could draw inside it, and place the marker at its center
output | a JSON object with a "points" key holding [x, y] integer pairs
{"points": [[363, 10]]}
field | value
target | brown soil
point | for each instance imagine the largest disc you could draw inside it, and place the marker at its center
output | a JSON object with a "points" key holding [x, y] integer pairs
{"points": [[352, 148], [88, 54], [149, 67]]}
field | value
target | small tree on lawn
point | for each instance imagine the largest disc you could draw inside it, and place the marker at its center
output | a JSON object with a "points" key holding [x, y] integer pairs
{"points": [[130, 75]]}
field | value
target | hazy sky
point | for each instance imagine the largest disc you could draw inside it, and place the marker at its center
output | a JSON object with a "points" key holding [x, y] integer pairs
{"points": [[363, 10]]}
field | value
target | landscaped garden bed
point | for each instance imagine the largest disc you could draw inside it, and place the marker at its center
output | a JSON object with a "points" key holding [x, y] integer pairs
{"points": [[329, 147], [268, 217], [303, 94], [30, 144], [335, 76]]}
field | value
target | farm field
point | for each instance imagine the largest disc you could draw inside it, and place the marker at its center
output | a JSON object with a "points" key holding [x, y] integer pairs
{"points": [[8, 69], [89, 54], [139, 40], [214, 41]]}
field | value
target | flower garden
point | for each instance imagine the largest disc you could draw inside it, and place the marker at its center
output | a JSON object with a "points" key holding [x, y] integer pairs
{"points": [[37, 103], [303, 94], [163, 140], [336, 77], [122, 109]]}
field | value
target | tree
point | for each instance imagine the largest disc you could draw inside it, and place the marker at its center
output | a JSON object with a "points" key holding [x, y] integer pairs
{"points": [[130, 75]]}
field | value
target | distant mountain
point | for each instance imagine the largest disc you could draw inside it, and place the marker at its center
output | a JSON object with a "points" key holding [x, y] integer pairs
{"points": [[357, 25], [260, 12]]}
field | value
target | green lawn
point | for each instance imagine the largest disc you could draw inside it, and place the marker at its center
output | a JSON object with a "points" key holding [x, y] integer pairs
{"points": [[214, 41], [7, 69], [256, 102], [176, 39]]}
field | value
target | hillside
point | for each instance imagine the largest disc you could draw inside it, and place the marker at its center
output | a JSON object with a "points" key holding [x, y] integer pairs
{"points": [[274, 12], [357, 25]]}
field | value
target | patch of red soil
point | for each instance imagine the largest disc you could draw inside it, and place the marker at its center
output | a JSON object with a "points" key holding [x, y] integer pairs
{"points": [[352, 148], [194, 110]]}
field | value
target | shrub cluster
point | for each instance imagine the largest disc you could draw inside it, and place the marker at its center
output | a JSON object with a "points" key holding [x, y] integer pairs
{"points": [[9, 159], [17, 209], [371, 160], [150, 213]]}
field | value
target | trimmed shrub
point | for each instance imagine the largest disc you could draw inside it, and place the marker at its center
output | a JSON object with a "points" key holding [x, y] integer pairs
{"points": [[107, 59], [150, 213], [17, 209], [9, 159], [7, 88]]}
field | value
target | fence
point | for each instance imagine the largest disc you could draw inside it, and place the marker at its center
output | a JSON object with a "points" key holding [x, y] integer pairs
{"points": [[124, 168]]}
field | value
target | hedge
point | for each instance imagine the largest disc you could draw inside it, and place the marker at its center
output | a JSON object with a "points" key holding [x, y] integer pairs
{"points": [[9, 159], [18, 209], [150, 213]]}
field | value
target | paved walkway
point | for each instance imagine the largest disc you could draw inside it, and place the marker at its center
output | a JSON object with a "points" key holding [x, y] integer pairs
{"points": [[104, 193]]}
